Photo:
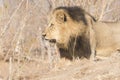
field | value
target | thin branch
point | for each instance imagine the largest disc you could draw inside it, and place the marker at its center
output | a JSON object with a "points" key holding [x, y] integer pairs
{"points": [[6, 26]]}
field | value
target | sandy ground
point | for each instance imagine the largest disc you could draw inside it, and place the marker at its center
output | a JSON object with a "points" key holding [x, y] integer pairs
{"points": [[105, 69]]}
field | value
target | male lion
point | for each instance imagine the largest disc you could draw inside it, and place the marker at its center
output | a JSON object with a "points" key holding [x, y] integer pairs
{"points": [[77, 34]]}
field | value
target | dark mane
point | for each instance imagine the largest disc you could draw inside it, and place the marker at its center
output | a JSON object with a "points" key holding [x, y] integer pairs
{"points": [[78, 46], [76, 13]]}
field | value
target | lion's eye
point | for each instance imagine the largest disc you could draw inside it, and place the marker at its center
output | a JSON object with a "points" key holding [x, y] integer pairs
{"points": [[51, 24]]}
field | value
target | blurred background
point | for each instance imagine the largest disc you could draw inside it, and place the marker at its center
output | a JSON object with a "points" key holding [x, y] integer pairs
{"points": [[22, 22]]}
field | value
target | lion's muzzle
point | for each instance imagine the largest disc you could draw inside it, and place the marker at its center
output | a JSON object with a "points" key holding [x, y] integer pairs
{"points": [[50, 40], [43, 35]]}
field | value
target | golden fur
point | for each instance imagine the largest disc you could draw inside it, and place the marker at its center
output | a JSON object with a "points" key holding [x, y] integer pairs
{"points": [[76, 33], [107, 37]]}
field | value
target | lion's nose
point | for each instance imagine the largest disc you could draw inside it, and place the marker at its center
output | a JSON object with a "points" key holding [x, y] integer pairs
{"points": [[43, 34]]}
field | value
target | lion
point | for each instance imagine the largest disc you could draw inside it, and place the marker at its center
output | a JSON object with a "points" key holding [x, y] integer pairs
{"points": [[77, 34]]}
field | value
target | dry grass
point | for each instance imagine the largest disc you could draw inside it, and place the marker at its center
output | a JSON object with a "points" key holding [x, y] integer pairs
{"points": [[21, 25]]}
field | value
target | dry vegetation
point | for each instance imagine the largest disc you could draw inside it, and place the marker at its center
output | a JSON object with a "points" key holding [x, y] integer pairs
{"points": [[24, 55]]}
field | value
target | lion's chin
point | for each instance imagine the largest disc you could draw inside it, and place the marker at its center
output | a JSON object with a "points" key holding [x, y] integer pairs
{"points": [[61, 45], [52, 40]]}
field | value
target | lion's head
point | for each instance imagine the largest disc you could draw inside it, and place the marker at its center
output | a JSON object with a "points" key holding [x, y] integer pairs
{"points": [[64, 23]]}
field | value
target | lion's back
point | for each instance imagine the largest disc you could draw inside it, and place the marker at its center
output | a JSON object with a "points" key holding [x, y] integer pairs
{"points": [[107, 36]]}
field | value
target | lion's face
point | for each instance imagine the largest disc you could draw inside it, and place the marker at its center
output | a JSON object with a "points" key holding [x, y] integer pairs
{"points": [[61, 27], [53, 31]]}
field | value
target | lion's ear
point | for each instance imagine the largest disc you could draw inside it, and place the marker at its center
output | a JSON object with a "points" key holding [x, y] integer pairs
{"points": [[61, 17], [90, 19]]}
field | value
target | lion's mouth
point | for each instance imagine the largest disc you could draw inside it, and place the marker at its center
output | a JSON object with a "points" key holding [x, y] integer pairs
{"points": [[47, 39], [51, 40]]}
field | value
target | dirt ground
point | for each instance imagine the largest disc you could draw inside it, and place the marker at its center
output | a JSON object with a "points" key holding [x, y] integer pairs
{"points": [[104, 69]]}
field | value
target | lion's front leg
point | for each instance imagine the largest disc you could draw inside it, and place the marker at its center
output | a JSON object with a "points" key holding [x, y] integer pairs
{"points": [[93, 54], [92, 44]]}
